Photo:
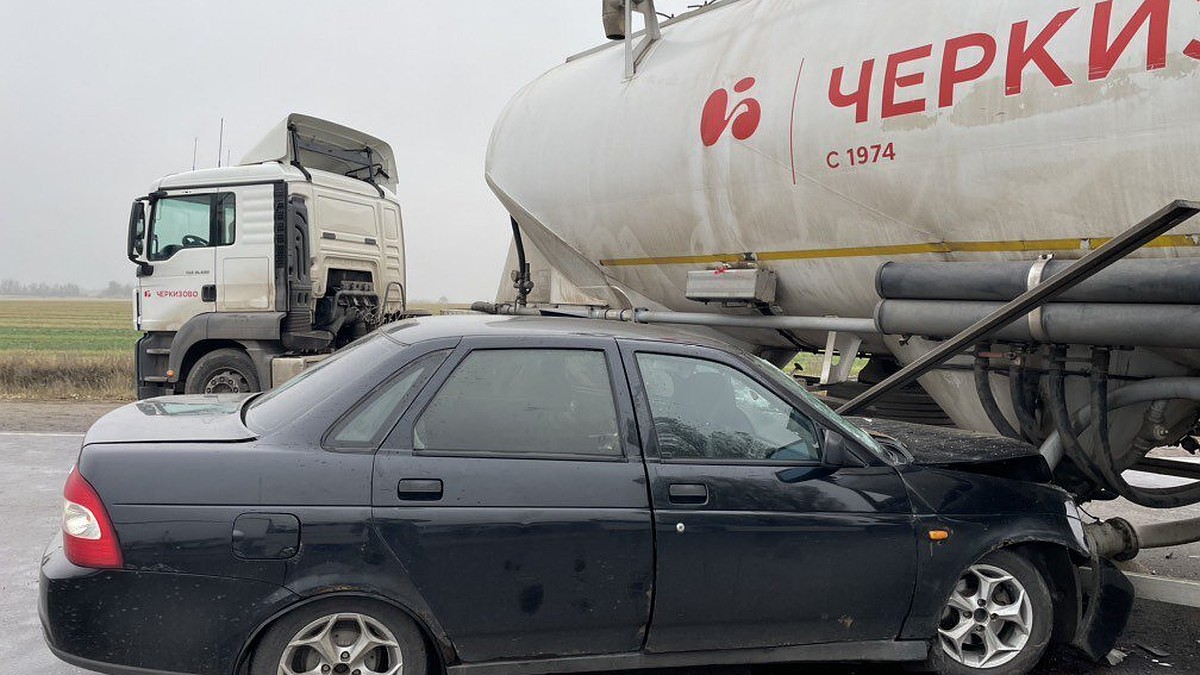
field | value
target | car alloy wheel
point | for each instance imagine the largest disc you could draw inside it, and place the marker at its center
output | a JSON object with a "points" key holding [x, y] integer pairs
{"points": [[342, 644], [988, 619]]}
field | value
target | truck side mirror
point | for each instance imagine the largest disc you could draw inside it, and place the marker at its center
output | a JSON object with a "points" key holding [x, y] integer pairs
{"points": [[136, 242]]}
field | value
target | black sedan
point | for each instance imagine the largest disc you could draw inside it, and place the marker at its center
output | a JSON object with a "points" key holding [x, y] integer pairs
{"points": [[539, 495]]}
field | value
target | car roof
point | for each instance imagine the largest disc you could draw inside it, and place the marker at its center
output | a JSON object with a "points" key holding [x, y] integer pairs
{"points": [[419, 329]]}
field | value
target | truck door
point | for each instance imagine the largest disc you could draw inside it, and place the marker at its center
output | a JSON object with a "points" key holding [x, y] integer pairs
{"points": [[759, 544], [513, 493], [244, 276], [180, 245]]}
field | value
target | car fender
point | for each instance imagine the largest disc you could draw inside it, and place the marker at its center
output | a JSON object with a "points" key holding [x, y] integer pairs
{"points": [[361, 566], [971, 537], [252, 639]]}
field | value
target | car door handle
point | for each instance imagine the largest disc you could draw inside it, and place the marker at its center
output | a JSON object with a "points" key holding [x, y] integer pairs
{"points": [[688, 493], [419, 489]]}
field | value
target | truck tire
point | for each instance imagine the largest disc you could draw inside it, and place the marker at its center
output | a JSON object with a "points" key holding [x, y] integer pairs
{"points": [[223, 371]]}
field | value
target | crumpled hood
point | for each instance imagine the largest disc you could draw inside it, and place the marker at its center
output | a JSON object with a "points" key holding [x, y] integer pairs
{"points": [[962, 450], [203, 417]]}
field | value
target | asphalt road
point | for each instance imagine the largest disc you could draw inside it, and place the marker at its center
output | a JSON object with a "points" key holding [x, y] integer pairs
{"points": [[34, 465]]}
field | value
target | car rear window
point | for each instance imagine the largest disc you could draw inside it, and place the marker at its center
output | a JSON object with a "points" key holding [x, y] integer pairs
{"points": [[308, 389]]}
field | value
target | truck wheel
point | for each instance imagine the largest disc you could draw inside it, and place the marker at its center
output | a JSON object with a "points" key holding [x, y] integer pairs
{"points": [[224, 371], [998, 619], [342, 636]]}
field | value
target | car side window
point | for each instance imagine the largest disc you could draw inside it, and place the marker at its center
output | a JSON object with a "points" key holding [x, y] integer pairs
{"points": [[524, 402], [707, 410], [371, 420]]}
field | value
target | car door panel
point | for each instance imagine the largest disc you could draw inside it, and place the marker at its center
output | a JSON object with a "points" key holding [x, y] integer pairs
{"points": [[777, 552], [522, 556], [766, 562]]}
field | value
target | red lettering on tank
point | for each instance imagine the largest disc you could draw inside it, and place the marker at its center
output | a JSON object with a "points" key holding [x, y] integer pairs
{"points": [[954, 75], [1193, 49], [1022, 53], [1103, 56], [969, 57], [716, 116], [892, 81], [860, 98]]}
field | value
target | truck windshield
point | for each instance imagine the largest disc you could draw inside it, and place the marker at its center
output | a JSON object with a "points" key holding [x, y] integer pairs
{"points": [[819, 407]]}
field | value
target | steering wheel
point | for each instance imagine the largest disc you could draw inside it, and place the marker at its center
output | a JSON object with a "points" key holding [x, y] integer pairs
{"points": [[190, 240]]}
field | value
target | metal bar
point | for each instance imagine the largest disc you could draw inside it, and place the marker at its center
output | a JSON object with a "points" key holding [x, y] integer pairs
{"points": [[1168, 467], [775, 322], [1128, 241], [800, 323]]}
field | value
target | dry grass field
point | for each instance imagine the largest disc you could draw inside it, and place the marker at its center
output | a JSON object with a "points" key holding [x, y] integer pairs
{"points": [[66, 349], [83, 349]]}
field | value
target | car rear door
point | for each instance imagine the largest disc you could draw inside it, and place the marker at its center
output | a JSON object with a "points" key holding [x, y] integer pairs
{"points": [[759, 544], [513, 493]]}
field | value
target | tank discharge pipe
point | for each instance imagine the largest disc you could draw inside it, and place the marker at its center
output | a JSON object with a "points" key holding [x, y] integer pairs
{"points": [[797, 323], [1117, 538]]}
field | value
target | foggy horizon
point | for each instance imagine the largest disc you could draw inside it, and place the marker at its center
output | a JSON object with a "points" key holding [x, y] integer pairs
{"points": [[102, 100]]}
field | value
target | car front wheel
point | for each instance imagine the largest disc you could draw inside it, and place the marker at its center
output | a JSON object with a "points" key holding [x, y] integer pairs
{"points": [[997, 620], [342, 637]]}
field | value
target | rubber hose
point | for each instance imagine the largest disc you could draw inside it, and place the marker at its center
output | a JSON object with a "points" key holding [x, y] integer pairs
{"points": [[1185, 388], [983, 389]]}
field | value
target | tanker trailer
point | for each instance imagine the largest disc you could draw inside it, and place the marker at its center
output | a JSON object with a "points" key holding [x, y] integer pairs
{"points": [[870, 179]]}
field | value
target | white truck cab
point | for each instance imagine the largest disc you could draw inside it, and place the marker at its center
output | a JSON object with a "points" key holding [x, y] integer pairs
{"points": [[245, 273]]}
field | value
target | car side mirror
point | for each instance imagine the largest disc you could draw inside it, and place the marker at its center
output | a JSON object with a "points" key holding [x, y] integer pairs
{"points": [[835, 451]]}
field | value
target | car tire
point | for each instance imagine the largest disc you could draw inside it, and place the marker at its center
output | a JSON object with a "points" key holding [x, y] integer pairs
{"points": [[223, 371], [1008, 633], [299, 640]]}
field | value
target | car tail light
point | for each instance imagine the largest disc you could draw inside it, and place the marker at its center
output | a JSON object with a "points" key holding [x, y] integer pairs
{"points": [[89, 539]]}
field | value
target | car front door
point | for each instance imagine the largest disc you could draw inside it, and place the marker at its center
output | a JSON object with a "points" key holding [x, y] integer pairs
{"points": [[514, 495], [760, 543]]}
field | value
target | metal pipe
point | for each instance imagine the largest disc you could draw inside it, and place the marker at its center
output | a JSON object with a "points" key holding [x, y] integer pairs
{"points": [[1125, 243], [797, 323], [1164, 326], [775, 322], [1158, 281], [1119, 539], [613, 15], [1161, 535]]}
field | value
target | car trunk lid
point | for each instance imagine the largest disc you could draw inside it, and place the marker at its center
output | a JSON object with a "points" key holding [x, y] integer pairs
{"points": [[208, 417]]}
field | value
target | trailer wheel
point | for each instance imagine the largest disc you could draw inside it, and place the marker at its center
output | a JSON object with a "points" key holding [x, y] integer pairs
{"points": [[223, 371], [998, 619]]}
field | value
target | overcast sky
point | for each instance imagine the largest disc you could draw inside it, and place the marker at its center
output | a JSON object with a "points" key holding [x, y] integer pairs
{"points": [[101, 98]]}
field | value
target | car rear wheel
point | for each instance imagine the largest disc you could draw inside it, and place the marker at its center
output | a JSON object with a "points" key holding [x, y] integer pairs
{"points": [[223, 371], [997, 620], [342, 637]]}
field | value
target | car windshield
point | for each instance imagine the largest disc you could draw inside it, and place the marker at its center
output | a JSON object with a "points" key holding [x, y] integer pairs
{"points": [[299, 394], [819, 407]]}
